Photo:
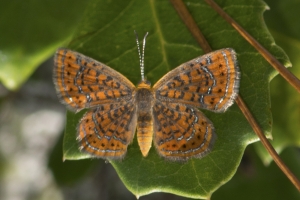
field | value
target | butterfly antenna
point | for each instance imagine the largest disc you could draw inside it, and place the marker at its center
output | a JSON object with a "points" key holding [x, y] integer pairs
{"points": [[141, 56]]}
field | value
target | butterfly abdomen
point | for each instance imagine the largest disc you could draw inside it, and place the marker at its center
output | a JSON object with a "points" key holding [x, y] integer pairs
{"points": [[144, 132], [145, 119]]}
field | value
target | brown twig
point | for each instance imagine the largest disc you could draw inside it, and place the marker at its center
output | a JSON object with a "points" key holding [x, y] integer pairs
{"points": [[266, 143], [286, 74], [192, 26]]}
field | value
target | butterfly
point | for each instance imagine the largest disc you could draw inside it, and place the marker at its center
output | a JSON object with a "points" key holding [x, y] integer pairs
{"points": [[166, 114]]}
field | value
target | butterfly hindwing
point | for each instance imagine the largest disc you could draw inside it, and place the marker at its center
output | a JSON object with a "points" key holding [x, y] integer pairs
{"points": [[107, 130], [181, 131]]}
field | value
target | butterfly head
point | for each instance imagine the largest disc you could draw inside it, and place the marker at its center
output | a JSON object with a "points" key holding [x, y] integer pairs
{"points": [[144, 84]]}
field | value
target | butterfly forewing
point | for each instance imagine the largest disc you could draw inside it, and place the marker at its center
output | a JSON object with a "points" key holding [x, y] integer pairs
{"points": [[181, 131], [107, 130], [82, 82], [210, 81]]}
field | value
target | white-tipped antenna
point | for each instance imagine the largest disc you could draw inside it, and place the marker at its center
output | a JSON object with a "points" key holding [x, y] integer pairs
{"points": [[141, 56]]}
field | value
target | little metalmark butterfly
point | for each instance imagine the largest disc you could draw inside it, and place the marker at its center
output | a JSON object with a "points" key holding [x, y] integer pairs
{"points": [[167, 113]]}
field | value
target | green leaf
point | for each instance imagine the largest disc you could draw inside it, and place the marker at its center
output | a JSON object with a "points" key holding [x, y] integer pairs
{"points": [[285, 99], [106, 34], [30, 33]]}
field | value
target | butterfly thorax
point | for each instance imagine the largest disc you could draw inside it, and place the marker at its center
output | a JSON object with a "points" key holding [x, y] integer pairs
{"points": [[145, 100]]}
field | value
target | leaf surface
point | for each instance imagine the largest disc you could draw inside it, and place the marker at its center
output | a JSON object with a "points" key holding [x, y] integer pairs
{"points": [[106, 34]]}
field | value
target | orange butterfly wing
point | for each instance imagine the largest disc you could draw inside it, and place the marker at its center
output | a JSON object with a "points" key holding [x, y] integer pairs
{"points": [[210, 82], [181, 131], [82, 82], [107, 130]]}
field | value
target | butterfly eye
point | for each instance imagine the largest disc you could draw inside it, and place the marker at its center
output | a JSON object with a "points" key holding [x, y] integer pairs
{"points": [[147, 82]]}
